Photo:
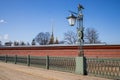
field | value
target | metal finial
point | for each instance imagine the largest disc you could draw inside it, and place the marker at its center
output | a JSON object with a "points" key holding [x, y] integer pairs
{"points": [[80, 7]]}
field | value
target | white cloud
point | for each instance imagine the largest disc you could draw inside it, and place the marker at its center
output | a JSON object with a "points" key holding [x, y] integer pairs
{"points": [[6, 36], [2, 21]]}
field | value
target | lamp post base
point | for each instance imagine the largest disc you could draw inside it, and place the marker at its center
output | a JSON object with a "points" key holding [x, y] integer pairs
{"points": [[80, 53]]}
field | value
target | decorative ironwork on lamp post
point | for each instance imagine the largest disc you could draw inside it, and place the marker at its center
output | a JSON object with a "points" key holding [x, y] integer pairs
{"points": [[79, 18]]}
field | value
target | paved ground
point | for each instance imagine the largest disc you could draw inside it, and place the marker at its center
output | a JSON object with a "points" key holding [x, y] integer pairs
{"points": [[9, 71]]}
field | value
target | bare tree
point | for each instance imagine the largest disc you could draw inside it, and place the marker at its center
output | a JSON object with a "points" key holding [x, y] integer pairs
{"points": [[0, 43], [42, 38], [33, 42], [91, 36], [16, 43], [28, 44], [70, 37], [22, 43]]}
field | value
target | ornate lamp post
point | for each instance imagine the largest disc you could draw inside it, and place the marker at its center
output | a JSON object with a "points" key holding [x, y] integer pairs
{"points": [[79, 18]]}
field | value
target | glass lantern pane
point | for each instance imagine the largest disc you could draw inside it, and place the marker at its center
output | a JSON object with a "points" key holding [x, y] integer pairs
{"points": [[71, 21]]}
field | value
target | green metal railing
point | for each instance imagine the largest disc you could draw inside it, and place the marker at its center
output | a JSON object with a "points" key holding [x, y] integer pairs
{"points": [[56, 63], [104, 67], [62, 63], [21, 60], [10, 58], [38, 61], [2, 57]]}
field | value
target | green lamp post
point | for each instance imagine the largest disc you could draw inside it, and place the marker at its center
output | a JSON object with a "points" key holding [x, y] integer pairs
{"points": [[79, 18]]}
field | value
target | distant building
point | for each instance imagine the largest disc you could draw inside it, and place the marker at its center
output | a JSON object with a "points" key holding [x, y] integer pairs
{"points": [[51, 38], [51, 41], [56, 42], [8, 43]]}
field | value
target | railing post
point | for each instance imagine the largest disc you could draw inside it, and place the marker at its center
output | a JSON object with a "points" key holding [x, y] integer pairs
{"points": [[47, 62], [6, 58], [15, 59], [28, 60], [80, 65]]}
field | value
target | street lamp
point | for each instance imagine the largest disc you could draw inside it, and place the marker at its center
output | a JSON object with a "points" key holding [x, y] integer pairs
{"points": [[71, 19], [79, 18]]}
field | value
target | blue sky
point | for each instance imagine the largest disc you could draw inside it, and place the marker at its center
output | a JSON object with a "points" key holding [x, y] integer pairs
{"points": [[23, 19]]}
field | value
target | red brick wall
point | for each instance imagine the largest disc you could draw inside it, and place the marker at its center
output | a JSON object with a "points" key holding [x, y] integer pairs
{"points": [[89, 51]]}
